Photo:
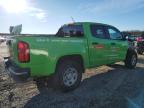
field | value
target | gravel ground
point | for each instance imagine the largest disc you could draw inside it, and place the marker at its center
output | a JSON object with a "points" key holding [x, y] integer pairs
{"points": [[104, 87]]}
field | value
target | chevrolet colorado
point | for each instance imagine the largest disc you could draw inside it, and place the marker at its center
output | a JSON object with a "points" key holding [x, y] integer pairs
{"points": [[66, 55]]}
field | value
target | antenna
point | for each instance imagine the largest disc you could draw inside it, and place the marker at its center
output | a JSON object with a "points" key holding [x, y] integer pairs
{"points": [[73, 19]]}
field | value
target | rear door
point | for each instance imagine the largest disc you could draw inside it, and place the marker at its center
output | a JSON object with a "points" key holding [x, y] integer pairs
{"points": [[98, 45], [118, 47]]}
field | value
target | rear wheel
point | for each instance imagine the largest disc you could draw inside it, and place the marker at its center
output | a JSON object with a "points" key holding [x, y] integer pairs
{"points": [[131, 60], [68, 75]]}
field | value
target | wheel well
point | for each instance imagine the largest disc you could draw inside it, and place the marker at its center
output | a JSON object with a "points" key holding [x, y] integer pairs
{"points": [[77, 58]]}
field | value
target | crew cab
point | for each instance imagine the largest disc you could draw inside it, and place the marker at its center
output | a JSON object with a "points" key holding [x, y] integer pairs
{"points": [[65, 55]]}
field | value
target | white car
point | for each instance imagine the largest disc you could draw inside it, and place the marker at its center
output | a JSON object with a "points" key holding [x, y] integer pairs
{"points": [[4, 49]]}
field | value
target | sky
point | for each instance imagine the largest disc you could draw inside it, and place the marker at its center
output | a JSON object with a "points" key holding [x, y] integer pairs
{"points": [[46, 16]]}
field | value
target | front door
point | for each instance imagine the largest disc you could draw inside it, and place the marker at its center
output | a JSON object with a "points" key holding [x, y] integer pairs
{"points": [[98, 46], [117, 45]]}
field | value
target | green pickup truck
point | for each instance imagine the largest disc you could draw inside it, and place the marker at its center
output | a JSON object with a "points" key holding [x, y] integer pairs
{"points": [[65, 56]]}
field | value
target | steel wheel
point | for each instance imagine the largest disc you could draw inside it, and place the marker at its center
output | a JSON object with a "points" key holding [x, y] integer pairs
{"points": [[70, 76]]}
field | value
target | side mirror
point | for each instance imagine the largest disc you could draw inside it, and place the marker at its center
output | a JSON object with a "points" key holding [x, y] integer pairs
{"points": [[126, 37]]}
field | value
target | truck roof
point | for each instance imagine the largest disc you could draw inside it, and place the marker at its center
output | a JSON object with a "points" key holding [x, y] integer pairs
{"points": [[79, 23]]}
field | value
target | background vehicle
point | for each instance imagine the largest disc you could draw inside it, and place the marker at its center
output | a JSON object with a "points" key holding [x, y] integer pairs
{"points": [[140, 44], [67, 54], [136, 41], [4, 49]]}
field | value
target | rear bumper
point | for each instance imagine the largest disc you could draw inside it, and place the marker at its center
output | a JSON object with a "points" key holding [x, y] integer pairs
{"points": [[17, 73]]}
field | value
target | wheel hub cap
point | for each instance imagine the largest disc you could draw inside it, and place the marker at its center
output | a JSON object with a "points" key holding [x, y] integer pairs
{"points": [[70, 76]]}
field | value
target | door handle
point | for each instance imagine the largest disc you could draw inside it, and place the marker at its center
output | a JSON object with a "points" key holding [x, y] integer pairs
{"points": [[95, 43], [113, 43]]}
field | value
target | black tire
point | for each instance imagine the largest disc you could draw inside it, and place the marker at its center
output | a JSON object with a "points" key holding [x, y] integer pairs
{"points": [[131, 60], [61, 80]]}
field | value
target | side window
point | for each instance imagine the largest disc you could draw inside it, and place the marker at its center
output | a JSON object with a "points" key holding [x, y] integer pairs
{"points": [[71, 31], [114, 34], [97, 31]]}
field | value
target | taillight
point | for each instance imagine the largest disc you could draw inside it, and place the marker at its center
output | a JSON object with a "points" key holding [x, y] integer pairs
{"points": [[23, 52]]}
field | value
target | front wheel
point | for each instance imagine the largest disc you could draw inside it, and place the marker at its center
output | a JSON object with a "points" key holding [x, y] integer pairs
{"points": [[68, 75], [131, 60]]}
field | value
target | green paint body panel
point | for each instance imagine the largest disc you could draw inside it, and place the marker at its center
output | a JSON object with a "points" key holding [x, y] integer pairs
{"points": [[45, 51]]}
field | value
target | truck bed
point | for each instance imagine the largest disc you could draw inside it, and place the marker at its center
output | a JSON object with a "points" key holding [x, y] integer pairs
{"points": [[45, 50]]}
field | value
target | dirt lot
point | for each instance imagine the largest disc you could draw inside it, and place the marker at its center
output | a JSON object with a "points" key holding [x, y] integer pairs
{"points": [[105, 87]]}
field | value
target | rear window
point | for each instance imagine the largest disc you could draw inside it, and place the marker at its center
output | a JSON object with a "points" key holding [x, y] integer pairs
{"points": [[71, 31]]}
